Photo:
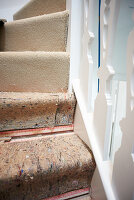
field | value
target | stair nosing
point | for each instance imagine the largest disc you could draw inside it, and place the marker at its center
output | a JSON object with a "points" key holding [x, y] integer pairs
{"points": [[46, 16]]}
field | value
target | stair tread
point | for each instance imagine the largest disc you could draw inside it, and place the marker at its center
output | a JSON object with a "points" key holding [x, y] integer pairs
{"points": [[35, 110], [40, 7], [44, 33], [45, 16], [43, 161]]}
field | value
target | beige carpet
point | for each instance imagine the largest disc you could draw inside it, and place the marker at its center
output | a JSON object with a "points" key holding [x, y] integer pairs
{"points": [[34, 71], [40, 7], [40, 33]]}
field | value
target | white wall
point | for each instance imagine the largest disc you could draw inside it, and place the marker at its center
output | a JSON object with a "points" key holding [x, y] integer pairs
{"points": [[9, 7], [124, 26]]}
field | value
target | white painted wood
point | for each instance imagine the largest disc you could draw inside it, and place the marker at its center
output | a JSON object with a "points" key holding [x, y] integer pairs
{"points": [[75, 32], [123, 170], [89, 53], [104, 167], [86, 69], [103, 102], [120, 184], [124, 26], [79, 126], [103, 112], [119, 112]]}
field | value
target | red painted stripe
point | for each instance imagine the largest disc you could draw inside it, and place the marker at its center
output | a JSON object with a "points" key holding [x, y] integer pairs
{"points": [[69, 194], [38, 129]]}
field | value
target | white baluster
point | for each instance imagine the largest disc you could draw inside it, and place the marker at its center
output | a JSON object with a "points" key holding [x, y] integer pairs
{"points": [[123, 171], [103, 103], [88, 63]]}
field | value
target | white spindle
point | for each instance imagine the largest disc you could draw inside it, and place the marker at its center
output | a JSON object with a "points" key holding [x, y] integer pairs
{"points": [[88, 62], [103, 103], [123, 171]]}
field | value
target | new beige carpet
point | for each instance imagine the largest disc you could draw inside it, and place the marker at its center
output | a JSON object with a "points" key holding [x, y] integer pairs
{"points": [[40, 7], [40, 33], [34, 71]]}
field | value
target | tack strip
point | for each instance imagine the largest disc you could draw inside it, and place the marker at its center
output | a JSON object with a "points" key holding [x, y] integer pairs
{"points": [[70, 195], [28, 132]]}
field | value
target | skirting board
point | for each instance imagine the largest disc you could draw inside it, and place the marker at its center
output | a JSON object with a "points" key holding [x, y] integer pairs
{"points": [[104, 167]]}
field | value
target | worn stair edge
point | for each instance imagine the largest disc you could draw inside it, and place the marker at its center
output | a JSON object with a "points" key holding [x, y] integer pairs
{"points": [[73, 194], [40, 33], [35, 110], [44, 167], [40, 7], [36, 131], [34, 71]]}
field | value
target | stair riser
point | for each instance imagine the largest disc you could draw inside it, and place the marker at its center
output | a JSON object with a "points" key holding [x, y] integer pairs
{"points": [[34, 72], [46, 187], [21, 114], [41, 33], [40, 7]]}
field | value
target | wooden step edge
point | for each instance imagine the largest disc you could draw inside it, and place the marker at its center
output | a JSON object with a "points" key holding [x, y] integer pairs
{"points": [[71, 195], [36, 137], [36, 131]]}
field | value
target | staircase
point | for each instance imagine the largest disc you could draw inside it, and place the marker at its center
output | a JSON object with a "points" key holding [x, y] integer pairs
{"points": [[41, 156]]}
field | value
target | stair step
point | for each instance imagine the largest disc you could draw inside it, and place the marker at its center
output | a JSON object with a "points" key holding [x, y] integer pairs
{"points": [[43, 167], [35, 110], [34, 71], [40, 7], [40, 33], [81, 194], [7, 135]]}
